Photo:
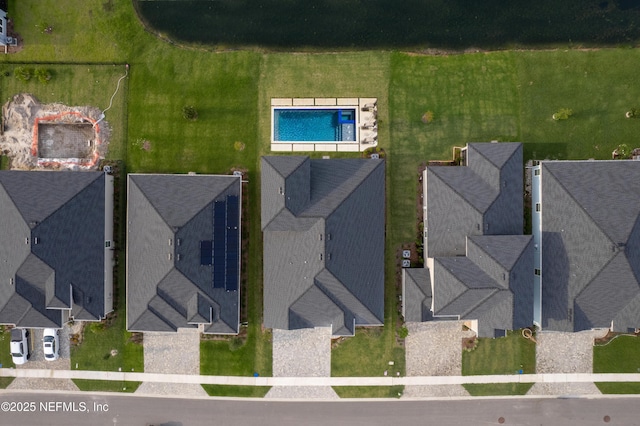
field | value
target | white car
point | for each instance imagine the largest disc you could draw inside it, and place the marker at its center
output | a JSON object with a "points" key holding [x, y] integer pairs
{"points": [[19, 346], [50, 344]]}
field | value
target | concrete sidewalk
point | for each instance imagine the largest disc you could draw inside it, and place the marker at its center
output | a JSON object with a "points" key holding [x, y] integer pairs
{"points": [[318, 381]]}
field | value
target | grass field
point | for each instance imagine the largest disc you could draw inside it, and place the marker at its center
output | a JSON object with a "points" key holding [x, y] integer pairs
{"points": [[106, 386], [621, 355], [5, 350], [369, 391], [4, 162], [497, 389], [504, 355], [236, 391], [619, 388]]}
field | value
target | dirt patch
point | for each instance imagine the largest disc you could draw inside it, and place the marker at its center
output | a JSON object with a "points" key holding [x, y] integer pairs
{"points": [[52, 136]]}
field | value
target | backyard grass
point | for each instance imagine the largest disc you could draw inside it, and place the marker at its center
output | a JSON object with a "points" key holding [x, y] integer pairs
{"points": [[620, 355], [492, 389], [504, 355], [369, 391], [623, 388], [106, 386], [236, 391]]}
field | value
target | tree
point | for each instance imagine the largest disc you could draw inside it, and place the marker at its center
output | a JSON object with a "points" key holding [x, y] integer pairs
{"points": [[43, 75], [189, 112], [23, 74]]}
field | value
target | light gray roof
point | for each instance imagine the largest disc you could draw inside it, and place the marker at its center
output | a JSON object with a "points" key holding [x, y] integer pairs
{"points": [[323, 224], [482, 198], [416, 294], [52, 236], [169, 217], [590, 244]]}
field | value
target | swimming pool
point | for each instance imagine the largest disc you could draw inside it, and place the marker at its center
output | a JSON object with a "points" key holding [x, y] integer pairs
{"points": [[313, 124]]}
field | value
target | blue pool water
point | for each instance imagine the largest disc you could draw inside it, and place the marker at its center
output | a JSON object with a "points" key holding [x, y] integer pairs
{"points": [[313, 125]]}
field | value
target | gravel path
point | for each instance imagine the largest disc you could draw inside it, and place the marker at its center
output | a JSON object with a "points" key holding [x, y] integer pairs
{"points": [[37, 361], [434, 348], [302, 353], [558, 352], [174, 353]]}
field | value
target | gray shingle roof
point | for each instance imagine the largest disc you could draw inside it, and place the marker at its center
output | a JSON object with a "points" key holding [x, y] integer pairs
{"points": [[590, 244], [167, 286], [323, 224], [52, 234], [482, 198], [483, 266], [416, 291], [492, 284]]}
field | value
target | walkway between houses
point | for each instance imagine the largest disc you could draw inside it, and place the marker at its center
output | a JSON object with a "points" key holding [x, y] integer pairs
{"points": [[319, 381]]}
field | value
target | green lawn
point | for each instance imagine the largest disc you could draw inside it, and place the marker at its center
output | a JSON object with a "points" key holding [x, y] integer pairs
{"points": [[620, 355], [497, 389], [369, 391], [236, 391], [619, 388], [4, 162], [106, 386], [5, 356], [5, 351], [504, 355]]}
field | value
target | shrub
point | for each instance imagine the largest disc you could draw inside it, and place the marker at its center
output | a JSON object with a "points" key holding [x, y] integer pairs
{"points": [[189, 112], [427, 117], [23, 74], [622, 152], [563, 114], [403, 332], [43, 75]]}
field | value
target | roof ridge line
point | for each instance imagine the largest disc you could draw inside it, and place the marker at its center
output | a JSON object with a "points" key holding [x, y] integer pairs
{"points": [[306, 157], [591, 219], [600, 272], [463, 197], [153, 207], [348, 194]]}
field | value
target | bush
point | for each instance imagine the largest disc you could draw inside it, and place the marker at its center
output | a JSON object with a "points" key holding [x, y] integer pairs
{"points": [[189, 112], [43, 75], [427, 117], [23, 74], [403, 332], [563, 114], [632, 113], [622, 152]]}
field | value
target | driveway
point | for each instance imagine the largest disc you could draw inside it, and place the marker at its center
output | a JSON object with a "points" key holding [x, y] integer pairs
{"points": [[37, 361], [434, 348], [173, 353], [302, 353], [558, 352]]}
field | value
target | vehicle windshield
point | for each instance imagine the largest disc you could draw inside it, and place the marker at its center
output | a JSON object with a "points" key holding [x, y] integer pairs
{"points": [[48, 338], [16, 355]]}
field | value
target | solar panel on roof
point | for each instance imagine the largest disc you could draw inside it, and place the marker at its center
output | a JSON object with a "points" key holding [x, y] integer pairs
{"points": [[205, 252], [232, 241], [219, 243]]}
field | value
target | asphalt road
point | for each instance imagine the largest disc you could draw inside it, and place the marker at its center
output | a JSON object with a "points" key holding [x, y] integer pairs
{"points": [[97, 410]]}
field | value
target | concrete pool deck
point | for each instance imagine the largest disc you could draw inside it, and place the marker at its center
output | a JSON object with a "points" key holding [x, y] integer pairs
{"points": [[365, 124]]}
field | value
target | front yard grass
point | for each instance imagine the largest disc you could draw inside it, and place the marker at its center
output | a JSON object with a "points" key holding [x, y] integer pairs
{"points": [[503, 355], [4, 162], [106, 385], [369, 391], [619, 388], [236, 391], [5, 348], [491, 389], [620, 355]]}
